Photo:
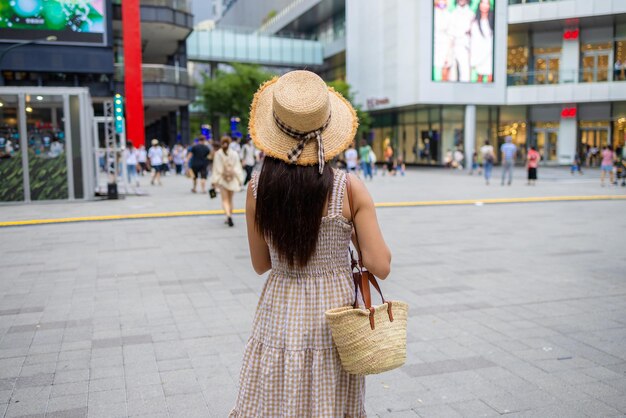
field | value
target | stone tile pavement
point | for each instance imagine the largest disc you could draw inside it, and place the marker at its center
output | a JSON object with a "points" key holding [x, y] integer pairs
{"points": [[516, 310]]}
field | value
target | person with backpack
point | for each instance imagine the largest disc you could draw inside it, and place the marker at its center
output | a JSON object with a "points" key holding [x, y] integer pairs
{"points": [[489, 158], [532, 162], [227, 176]]}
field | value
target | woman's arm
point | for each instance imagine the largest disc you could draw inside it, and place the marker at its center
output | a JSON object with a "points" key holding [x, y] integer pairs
{"points": [[376, 254], [259, 251]]}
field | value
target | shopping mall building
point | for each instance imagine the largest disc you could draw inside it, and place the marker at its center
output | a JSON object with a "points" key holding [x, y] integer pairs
{"points": [[554, 76]]}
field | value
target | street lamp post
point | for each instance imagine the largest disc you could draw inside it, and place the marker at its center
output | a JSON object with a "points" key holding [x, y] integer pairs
{"points": [[14, 46]]}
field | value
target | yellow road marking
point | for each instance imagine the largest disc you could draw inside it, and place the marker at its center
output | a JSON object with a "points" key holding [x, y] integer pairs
{"points": [[380, 205]]}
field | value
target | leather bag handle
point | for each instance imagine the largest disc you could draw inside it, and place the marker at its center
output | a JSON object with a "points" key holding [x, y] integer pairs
{"points": [[362, 277]]}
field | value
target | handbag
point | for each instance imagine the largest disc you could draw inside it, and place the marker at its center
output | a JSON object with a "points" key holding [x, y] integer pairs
{"points": [[369, 339]]}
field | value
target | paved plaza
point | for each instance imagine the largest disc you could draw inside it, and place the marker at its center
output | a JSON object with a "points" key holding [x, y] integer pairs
{"points": [[517, 309]]}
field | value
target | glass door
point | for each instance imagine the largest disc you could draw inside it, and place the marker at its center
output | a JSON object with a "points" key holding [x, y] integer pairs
{"points": [[596, 62], [47, 161], [11, 171], [547, 140], [547, 68], [592, 141]]}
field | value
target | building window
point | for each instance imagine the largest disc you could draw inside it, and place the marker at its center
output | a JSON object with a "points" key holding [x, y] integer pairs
{"points": [[517, 65], [619, 67], [547, 64], [595, 62]]}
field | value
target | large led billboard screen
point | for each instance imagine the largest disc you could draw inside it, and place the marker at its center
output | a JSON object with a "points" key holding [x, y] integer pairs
{"points": [[70, 21], [463, 34]]}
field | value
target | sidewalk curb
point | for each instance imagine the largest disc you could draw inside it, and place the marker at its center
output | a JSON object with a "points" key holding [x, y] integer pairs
{"points": [[478, 202]]}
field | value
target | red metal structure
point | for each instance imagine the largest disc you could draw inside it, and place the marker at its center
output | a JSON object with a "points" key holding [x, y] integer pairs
{"points": [[133, 82]]}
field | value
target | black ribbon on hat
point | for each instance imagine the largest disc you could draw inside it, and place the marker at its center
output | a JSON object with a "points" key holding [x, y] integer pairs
{"points": [[304, 138]]}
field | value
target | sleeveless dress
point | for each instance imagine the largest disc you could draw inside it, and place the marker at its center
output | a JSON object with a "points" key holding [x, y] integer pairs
{"points": [[291, 367]]}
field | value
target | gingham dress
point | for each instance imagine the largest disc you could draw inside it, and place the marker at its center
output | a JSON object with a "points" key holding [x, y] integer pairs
{"points": [[291, 367]]}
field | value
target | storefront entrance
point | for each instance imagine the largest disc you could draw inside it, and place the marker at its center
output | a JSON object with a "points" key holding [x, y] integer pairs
{"points": [[43, 142], [546, 143], [592, 139]]}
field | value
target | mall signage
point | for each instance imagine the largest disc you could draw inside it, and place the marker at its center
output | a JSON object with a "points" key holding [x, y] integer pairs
{"points": [[568, 113], [373, 103]]}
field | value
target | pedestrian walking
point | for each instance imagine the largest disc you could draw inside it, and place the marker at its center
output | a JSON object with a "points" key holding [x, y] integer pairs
{"points": [[489, 158], [532, 163], [165, 166], [352, 159], [235, 146], [577, 164], [130, 157], [448, 158], [373, 160], [388, 154], [400, 167], [227, 176], [474, 165], [248, 159], [508, 151], [198, 160], [606, 166], [458, 159], [620, 165], [155, 154], [300, 230], [178, 158], [142, 159], [365, 158]]}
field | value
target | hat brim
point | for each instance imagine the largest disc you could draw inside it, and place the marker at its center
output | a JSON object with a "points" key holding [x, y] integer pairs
{"points": [[270, 139]]}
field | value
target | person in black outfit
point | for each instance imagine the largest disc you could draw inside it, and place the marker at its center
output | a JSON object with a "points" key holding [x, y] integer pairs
{"points": [[199, 163]]}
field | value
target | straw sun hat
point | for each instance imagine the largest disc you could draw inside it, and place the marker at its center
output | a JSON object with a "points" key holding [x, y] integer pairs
{"points": [[298, 119]]}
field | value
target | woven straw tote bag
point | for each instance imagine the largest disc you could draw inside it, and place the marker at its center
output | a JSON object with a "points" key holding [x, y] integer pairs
{"points": [[369, 339]]}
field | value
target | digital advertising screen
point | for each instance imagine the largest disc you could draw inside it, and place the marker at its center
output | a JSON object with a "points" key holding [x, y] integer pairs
{"points": [[463, 34], [70, 21]]}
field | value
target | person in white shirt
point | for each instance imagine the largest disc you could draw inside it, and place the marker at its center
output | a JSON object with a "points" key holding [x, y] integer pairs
{"points": [[248, 159], [235, 146], [352, 159], [460, 27], [155, 153], [130, 157], [481, 49], [142, 159], [165, 165]]}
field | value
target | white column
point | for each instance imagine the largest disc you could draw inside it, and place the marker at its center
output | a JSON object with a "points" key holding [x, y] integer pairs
{"points": [[570, 61], [469, 134], [566, 142]]}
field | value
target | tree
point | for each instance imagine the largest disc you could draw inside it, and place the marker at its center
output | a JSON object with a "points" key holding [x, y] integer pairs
{"points": [[365, 120], [230, 93]]}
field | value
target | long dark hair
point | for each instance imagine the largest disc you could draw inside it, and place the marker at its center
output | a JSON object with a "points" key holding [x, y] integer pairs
{"points": [[490, 18], [289, 207]]}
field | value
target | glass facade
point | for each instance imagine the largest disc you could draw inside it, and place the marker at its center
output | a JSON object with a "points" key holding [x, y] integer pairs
{"points": [[11, 173], [45, 144], [47, 163], [228, 45], [595, 62], [546, 65]]}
